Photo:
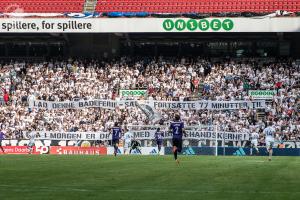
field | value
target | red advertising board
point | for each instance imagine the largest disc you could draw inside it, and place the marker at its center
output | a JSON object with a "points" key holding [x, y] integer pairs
{"points": [[58, 150], [24, 150], [71, 150], [14, 150]]}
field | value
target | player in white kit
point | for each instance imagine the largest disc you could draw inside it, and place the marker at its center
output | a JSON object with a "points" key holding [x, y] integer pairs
{"points": [[269, 138], [254, 141], [31, 143], [127, 140]]}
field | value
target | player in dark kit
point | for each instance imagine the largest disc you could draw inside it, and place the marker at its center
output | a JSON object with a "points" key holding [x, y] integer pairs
{"points": [[177, 129], [2, 137], [116, 132], [135, 145], [159, 139]]}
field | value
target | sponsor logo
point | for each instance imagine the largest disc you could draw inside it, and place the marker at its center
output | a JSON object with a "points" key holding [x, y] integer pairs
{"points": [[143, 151], [239, 152], [153, 152], [134, 151], [78, 150], [15, 150], [262, 94], [189, 151], [202, 25], [18, 150], [119, 151], [42, 150], [135, 93]]}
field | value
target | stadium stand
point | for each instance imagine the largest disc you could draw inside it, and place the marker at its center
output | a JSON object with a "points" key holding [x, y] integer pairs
{"points": [[196, 6], [41, 6], [165, 79], [150, 6]]}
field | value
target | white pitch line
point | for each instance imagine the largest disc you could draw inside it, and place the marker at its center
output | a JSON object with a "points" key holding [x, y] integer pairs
{"points": [[53, 189], [30, 188]]}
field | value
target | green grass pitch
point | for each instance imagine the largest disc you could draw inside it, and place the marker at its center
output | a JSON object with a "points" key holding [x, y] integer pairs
{"points": [[45, 177]]}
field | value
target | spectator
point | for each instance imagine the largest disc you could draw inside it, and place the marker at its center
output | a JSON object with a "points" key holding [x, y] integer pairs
{"points": [[165, 79]]}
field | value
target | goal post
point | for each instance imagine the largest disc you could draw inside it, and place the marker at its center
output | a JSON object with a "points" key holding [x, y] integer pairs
{"points": [[216, 139], [201, 139]]}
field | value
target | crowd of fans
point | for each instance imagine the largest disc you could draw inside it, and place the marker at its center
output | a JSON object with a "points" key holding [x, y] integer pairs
{"points": [[164, 78]]}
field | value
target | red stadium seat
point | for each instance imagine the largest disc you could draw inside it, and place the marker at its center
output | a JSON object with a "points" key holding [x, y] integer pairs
{"points": [[41, 6], [160, 6], [180, 6]]}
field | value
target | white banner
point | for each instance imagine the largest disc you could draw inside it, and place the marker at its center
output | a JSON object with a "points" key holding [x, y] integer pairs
{"points": [[96, 103], [208, 105], [140, 135], [56, 135], [126, 25], [169, 105], [195, 134]]}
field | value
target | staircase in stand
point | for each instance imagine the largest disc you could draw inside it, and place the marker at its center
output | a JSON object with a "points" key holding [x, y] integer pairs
{"points": [[90, 6]]}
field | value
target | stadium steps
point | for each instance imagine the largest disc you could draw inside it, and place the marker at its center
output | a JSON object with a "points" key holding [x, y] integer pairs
{"points": [[260, 114], [90, 6]]}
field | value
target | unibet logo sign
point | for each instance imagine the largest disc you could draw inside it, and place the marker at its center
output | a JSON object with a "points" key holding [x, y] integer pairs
{"points": [[262, 94], [135, 93], [203, 25]]}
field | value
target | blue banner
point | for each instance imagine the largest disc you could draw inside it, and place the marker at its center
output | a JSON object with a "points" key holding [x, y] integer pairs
{"points": [[235, 151]]}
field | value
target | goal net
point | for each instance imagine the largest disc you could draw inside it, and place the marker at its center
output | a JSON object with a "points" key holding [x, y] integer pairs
{"points": [[199, 139]]}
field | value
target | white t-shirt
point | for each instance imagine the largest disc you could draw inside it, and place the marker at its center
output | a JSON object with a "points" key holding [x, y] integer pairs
{"points": [[32, 137], [128, 136], [254, 136], [269, 132], [31, 99]]}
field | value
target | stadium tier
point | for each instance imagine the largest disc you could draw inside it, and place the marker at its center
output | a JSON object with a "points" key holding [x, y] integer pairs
{"points": [[41, 6], [196, 6], [151, 6], [24, 84]]}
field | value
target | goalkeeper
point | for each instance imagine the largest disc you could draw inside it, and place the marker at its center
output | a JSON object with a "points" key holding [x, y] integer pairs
{"points": [[135, 145]]}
